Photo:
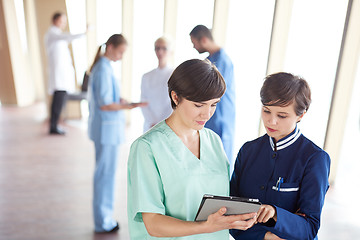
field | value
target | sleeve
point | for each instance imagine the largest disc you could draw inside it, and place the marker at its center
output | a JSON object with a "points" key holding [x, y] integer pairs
{"points": [[103, 89], [311, 200], [68, 36], [254, 233], [145, 187], [148, 116], [234, 182]]}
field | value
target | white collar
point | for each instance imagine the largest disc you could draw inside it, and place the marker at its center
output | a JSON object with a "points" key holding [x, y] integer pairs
{"points": [[287, 141]]}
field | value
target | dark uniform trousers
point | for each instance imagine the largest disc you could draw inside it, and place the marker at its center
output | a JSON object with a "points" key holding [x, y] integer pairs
{"points": [[57, 104]]}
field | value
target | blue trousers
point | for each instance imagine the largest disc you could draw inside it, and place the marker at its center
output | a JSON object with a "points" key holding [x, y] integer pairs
{"points": [[104, 186]]}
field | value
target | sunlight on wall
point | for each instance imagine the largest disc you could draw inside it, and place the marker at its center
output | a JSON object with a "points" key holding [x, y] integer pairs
{"points": [[19, 8], [349, 166]]}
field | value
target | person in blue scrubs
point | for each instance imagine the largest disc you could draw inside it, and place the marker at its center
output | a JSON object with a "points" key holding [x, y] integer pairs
{"points": [[177, 161], [106, 129], [223, 120], [286, 171]]}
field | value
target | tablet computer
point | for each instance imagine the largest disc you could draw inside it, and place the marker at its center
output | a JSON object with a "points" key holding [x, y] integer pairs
{"points": [[234, 205]]}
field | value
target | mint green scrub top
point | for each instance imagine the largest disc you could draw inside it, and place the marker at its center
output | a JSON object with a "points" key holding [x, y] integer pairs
{"points": [[165, 177]]}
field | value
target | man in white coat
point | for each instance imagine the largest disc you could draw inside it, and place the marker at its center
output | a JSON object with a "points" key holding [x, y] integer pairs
{"points": [[154, 88], [61, 75]]}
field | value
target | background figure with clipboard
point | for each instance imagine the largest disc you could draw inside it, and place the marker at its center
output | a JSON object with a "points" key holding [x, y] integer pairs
{"points": [[176, 162], [283, 169]]}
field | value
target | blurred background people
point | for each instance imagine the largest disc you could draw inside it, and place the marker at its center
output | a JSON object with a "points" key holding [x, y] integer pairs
{"points": [[106, 129], [154, 88], [223, 120], [61, 75]]}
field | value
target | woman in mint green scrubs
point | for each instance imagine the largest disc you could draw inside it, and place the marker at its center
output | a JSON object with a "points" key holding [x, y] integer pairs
{"points": [[176, 162]]}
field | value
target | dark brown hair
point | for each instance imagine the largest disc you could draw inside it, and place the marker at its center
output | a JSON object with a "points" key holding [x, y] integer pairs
{"points": [[201, 31], [196, 80], [115, 40], [56, 16], [282, 89]]}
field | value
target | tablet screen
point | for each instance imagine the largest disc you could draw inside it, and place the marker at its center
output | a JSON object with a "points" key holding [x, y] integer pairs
{"points": [[211, 204]]}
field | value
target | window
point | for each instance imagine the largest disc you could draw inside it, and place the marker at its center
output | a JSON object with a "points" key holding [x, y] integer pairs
{"points": [[248, 40], [148, 26], [77, 24], [109, 22], [313, 52], [191, 13]]}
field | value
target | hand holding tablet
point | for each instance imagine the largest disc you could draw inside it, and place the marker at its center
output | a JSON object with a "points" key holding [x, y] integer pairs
{"points": [[234, 205]]}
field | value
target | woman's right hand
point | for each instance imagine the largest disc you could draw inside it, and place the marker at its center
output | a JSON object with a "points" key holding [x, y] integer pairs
{"points": [[218, 221]]}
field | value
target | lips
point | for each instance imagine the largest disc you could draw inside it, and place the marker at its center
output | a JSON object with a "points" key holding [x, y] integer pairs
{"points": [[271, 130], [201, 122]]}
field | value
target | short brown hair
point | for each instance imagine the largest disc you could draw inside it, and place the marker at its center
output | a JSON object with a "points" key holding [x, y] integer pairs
{"points": [[282, 89], [196, 80]]}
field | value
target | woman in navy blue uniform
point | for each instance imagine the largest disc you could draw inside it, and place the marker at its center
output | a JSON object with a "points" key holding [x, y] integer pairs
{"points": [[283, 169]]}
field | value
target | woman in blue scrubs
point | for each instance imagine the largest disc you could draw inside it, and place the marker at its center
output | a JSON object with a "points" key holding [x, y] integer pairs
{"points": [[283, 169], [106, 129], [177, 161]]}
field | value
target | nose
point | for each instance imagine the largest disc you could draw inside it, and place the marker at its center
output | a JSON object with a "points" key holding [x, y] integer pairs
{"points": [[271, 120], [206, 113]]}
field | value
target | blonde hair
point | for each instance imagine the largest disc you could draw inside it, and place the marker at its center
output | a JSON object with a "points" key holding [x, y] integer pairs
{"points": [[166, 40]]}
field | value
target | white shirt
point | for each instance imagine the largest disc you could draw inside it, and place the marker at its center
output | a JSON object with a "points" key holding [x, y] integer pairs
{"points": [[61, 75], [154, 90]]}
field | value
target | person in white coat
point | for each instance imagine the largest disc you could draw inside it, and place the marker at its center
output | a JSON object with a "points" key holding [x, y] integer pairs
{"points": [[154, 87], [61, 74]]}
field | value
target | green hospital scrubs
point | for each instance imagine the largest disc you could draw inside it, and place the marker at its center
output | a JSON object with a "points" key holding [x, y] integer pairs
{"points": [[165, 177]]}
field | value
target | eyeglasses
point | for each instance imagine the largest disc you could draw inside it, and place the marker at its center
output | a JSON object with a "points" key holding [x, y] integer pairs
{"points": [[160, 48]]}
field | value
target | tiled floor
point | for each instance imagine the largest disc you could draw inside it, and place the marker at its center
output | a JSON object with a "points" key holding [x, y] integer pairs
{"points": [[46, 183]]}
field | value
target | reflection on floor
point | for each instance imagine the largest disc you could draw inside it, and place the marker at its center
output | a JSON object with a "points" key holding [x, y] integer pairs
{"points": [[46, 183]]}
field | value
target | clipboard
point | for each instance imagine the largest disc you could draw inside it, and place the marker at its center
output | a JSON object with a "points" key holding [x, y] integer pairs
{"points": [[235, 205]]}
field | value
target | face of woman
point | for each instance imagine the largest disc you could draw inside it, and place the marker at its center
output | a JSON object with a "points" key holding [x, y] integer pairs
{"points": [[279, 121], [194, 115], [116, 53]]}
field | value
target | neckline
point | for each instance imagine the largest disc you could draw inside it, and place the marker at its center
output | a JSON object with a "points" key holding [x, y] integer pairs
{"points": [[285, 141], [178, 139]]}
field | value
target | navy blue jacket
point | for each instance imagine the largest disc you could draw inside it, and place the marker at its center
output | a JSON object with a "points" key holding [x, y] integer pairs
{"points": [[291, 175]]}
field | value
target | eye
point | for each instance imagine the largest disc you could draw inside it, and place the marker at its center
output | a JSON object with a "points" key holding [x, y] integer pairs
{"points": [[198, 105], [214, 105], [281, 116], [266, 111]]}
